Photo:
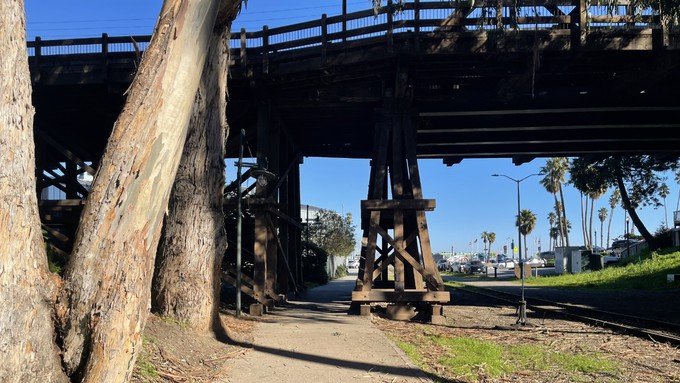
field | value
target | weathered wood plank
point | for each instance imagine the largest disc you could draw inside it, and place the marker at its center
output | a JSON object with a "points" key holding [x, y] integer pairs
{"points": [[401, 296], [405, 204], [370, 252]]}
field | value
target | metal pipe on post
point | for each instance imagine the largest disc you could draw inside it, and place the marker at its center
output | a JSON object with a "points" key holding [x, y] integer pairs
{"points": [[522, 309], [239, 223], [522, 317], [344, 20]]}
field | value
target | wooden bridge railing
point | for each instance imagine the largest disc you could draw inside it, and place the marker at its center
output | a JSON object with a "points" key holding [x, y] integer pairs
{"points": [[417, 17]]}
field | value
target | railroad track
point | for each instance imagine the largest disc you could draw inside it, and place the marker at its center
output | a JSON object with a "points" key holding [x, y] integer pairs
{"points": [[657, 331]]}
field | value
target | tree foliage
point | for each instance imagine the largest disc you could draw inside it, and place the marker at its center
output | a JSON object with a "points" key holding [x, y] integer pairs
{"points": [[333, 233], [637, 178]]}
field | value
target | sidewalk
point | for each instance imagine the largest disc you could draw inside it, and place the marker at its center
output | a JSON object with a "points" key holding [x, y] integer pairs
{"points": [[312, 339]]}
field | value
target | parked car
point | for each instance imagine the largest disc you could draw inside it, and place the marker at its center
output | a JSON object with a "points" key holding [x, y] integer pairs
{"points": [[506, 264], [536, 262], [464, 267], [443, 265], [610, 259], [354, 264], [476, 267], [549, 257], [623, 243]]}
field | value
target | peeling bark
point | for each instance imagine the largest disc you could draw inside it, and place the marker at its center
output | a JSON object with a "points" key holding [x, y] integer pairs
{"points": [[187, 281], [27, 335], [106, 296]]}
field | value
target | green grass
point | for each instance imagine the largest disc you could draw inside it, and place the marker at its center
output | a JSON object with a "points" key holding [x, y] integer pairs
{"points": [[647, 273], [146, 370], [411, 351], [474, 359], [468, 357]]}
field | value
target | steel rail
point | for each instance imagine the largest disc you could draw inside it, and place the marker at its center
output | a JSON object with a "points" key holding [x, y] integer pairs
{"points": [[651, 329]]}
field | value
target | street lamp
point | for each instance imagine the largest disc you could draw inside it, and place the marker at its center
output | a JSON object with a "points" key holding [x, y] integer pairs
{"points": [[522, 312], [627, 237]]}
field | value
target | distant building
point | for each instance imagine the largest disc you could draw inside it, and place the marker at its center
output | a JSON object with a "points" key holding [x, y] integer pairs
{"points": [[309, 213]]}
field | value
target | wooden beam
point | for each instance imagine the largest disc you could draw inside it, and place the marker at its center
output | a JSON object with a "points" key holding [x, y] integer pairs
{"points": [[406, 257], [400, 204], [401, 296], [370, 252], [65, 152], [244, 288], [284, 256], [260, 255], [61, 203], [285, 217]]}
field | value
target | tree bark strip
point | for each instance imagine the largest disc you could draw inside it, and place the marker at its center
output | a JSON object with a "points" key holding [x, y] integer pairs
{"points": [[27, 291], [106, 297], [187, 281]]}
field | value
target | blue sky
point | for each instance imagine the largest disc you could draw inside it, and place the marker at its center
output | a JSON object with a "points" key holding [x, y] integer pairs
{"points": [[469, 200]]}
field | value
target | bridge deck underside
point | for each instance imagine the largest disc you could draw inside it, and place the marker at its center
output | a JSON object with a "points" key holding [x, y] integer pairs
{"points": [[521, 102]]}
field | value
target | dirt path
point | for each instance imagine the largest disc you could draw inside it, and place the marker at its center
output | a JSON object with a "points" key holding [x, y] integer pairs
{"points": [[314, 340]]}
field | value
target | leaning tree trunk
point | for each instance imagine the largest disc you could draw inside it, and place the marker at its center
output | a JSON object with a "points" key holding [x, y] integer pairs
{"points": [[27, 333], [106, 297], [637, 222], [187, 282]]}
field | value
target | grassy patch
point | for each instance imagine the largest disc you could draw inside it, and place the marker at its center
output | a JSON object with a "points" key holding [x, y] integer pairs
{"points": [[474, 359], [583, 363], [649, 272], [146, 371], [468, 357], [411, 351], [172, 321]]}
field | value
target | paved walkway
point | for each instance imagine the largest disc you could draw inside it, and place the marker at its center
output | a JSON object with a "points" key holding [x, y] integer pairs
{"points": [[314, 340]]}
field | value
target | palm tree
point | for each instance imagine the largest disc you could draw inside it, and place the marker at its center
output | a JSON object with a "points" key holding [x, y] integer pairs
{"points": [[555, 170], [677, 180], [602, 215], [491, 237], [552, 218], [594, 195], [664, 192], [560, 226], [614, 201], [526, 221], [485, 238], [554, 234]]}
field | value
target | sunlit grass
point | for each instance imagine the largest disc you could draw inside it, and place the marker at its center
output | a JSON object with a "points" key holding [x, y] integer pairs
{"points": [[649, 272], [474, 359]]}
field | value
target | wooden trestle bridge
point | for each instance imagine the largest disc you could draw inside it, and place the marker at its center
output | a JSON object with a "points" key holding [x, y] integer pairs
{"points": [[437, 79]]}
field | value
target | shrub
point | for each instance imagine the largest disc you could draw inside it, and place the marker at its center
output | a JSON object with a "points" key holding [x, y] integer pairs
{"points": [[314, 261]]}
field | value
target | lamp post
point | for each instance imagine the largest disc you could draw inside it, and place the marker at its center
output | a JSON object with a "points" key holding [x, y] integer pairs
{"points": [[522, 312], [239, 223], [627, 237]]}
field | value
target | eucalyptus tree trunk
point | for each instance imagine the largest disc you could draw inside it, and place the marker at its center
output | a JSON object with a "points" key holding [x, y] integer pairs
{"points": [[106, 297], [637, 222], [27, 292], [187, 282]]}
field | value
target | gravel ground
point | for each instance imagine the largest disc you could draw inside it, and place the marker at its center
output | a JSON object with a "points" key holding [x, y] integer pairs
{"points": [[636, 360]]}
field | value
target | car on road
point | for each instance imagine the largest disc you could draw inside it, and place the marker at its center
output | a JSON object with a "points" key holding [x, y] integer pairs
{"points": [[620, 246], [610, 259], [463, 267], [536, 262], [354, 264], [506, 264], [475, 267]]}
